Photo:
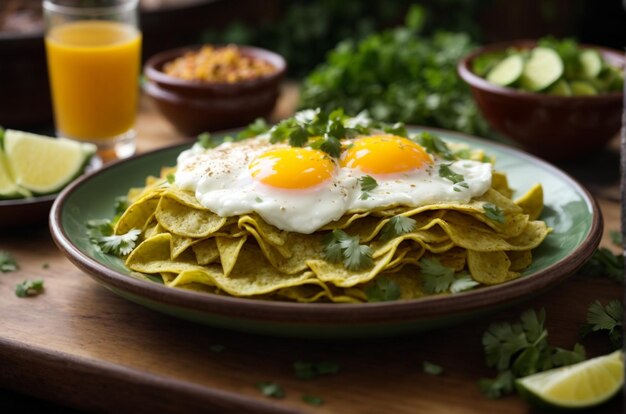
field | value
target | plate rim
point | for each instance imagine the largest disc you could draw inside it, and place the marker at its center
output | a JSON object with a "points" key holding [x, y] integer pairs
{"points": [[329, 313]]}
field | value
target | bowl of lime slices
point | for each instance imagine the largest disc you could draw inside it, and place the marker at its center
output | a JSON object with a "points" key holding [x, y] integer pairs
{"points": [[556, 98], [33, 169]]}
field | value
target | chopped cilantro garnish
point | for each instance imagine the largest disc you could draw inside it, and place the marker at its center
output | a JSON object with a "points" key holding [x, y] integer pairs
{"points": [[119, 244], [7, 262], [206, 141], [310, 370], [432, 369], [99, 227], [258, 127], [521, 349], [271, 389], [494, 213], [29, 288], [368, 183], [339, 246], [397, 226], [312, 400], [435, 145], [171, 178], [457, 179], [437, 278], [121, 204], [258, 199], [382, 289], [609, 319]]}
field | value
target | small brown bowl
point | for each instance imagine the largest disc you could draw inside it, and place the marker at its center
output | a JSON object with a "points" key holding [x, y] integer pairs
{"points": [[553, 127], [194, 107]]}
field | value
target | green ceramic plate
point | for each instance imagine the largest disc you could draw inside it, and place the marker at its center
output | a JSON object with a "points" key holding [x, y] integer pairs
{"points": [[570, 211]]}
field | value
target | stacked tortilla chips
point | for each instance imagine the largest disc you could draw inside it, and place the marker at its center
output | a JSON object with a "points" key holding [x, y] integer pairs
{"points": [[191, 247]]}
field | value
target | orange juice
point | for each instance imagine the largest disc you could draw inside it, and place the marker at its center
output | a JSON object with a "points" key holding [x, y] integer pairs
{"points": [[94, 68]]}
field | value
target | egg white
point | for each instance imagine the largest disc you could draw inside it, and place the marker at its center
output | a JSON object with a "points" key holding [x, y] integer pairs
{"points": [[222, 182]]}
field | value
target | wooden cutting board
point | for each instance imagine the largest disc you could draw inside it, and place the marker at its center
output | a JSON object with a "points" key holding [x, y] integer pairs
{"points": [[81, 346]]}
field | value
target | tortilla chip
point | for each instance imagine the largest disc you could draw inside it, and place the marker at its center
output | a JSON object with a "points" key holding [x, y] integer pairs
{"points": [[532, 202], [206, 251], [500, 183], [229, 249], [490, 268], [338, 275], [138, 214], [153, 256], [183, 220]]}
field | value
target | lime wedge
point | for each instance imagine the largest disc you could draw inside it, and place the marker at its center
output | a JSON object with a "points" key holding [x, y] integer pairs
{"points": [[583, 88], [542, 69], [581, 385], [8, 188], [507, 72], [42, 164], [590, 63], [561, 88]]}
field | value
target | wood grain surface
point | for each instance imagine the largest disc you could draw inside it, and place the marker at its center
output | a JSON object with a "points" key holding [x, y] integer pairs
{"points": [[81, 346]]}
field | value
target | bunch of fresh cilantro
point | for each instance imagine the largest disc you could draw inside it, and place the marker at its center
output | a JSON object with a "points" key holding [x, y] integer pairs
{"points": [[398, 75]]}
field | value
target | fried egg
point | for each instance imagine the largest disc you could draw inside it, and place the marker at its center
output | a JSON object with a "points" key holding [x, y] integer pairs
{"points": [[302, 189]]}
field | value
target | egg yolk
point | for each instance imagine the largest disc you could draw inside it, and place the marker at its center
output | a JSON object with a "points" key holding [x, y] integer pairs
{"points": [[292, 168], [385, 154]]}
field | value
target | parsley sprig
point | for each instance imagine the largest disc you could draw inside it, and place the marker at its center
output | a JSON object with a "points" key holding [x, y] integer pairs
{"points": [[340, 246], [521, 349], [7, 262], [437, 278], [609, 319]]}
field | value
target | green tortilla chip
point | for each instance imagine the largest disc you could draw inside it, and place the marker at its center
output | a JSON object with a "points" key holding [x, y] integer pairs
{"points": [[187, 221], [490, 268]]}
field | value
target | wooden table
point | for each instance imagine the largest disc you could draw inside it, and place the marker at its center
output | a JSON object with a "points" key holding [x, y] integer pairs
{"points": [[80, 346]]}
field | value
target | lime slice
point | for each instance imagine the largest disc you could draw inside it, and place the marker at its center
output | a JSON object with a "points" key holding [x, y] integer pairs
{"points": [[507, 72], [42, 164], [542, 69], [561, 88], [583, 88], [590, 63], [581, 385]]}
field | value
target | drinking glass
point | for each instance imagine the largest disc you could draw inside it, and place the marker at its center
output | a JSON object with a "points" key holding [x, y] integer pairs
{"points": [[93, 50]]}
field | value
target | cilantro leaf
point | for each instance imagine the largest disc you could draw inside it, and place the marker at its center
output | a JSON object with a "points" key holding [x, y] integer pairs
{"points": [[331, 146], [609, 318], [97, 228], [368, 183], [338, 246], [604, 263], [310, 370], [312, 400], [171, 178], [271, 389], [29, 288], [119, 244], [7, 262], [494, 213], [382, 289], [437, 278], [432, 369], [397, 226], [463, 283], [258, 127], [435, 145], [562, 357], [457, 179]]}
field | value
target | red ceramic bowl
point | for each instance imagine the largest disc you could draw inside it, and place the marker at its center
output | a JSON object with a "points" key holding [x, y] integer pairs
{"points": [[553, 127], [194, 107]]}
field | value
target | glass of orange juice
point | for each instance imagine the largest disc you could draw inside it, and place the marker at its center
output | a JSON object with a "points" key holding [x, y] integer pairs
{"points": [[93, 49]]}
